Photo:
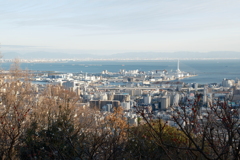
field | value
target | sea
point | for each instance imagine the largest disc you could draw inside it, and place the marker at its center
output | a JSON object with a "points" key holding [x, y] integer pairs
{"points": [[207, 71]]}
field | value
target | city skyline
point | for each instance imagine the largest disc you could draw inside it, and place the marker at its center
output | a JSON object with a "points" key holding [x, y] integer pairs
{"points": [[111, 27]]}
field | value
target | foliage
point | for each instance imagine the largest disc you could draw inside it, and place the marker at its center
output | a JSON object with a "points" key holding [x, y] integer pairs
{"points": [[213, 135], [52, 125]]}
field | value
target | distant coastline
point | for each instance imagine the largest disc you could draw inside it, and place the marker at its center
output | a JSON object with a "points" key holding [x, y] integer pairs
{"points": [[207, 71], [117, 59]]}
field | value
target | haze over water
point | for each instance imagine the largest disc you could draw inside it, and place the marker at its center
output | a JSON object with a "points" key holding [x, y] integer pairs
{"points": [[208, 71]]}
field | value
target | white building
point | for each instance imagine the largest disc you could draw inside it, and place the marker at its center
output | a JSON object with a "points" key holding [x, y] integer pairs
{"points": [[147, 99], [125, 105], [228, 82]]}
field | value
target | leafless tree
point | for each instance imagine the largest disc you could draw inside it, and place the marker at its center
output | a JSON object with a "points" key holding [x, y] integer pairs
{"points": [[212, 134]]}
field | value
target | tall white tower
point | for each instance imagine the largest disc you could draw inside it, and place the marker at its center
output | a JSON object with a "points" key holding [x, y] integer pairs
{"points": [[178, 70]]}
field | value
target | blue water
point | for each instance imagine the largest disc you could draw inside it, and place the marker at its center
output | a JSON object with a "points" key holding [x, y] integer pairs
{"points": [[208, 71]]}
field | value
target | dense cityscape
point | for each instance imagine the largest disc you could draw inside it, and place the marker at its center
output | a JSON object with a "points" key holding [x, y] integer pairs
{"points": [[120, 80], [116, 104], [158, 91]]}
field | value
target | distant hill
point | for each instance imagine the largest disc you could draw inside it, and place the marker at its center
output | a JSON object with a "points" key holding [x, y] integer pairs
{"points": [[129, 55], [220, 54]]}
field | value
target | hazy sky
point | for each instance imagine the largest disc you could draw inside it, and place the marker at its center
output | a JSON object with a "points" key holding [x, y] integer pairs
{"points": [[114, 26]]}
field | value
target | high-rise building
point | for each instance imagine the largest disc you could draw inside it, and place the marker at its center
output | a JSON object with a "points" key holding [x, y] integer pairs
{"points": [[164, 103], [147, 99]]}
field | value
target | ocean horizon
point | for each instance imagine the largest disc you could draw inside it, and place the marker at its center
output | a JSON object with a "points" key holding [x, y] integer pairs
{"points": [[208, 71]]}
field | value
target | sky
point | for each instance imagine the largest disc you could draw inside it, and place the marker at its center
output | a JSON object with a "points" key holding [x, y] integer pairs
{"points": [[118, 26]]}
